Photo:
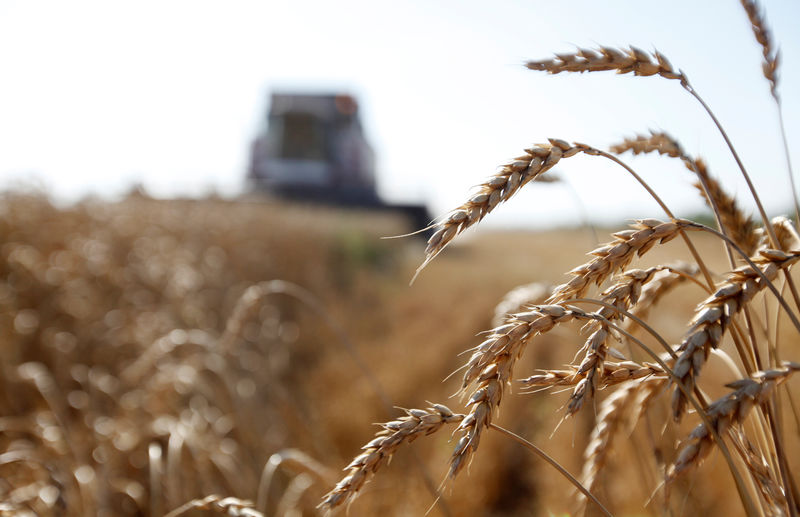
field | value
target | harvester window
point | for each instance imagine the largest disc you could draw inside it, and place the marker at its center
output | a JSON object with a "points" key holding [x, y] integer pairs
{"points": [[303, 137]]}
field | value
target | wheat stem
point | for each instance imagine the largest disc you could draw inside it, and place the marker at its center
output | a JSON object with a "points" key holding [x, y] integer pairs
{"points": [[539, 452], [728, 216], [780, 451], [695, 254], [788, 161], [254, 294], [767, 224]]}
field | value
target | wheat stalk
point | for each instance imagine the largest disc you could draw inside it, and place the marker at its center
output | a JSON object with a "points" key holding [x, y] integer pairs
{"points": [[769, 67], [297, 461]]}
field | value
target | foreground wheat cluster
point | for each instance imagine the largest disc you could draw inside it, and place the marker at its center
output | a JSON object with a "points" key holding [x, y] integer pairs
{"points": [[746, 320]]}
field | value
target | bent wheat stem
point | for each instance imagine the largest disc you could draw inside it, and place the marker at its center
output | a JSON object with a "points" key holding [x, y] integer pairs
{"points": [[767, 224], [692, 249], [556, 465]]}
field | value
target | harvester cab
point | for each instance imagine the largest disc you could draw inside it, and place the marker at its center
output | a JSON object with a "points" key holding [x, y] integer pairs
{"points": [[312, 148]]}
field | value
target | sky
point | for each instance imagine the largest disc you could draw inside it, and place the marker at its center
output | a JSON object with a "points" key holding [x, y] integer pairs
{"points": [[98, 96]]}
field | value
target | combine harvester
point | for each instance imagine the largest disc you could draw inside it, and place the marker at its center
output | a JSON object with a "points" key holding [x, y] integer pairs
{"points": [[313, 149]]}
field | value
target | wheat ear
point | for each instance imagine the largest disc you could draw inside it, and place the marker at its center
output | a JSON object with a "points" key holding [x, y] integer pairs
{"points": [[727, 411], [615, 255], [762, 33], [772, 496], [644, 64], [613, 373], [623, 61], [500, 187], [786, 232], [222, 505], [406, 429], [715, 313], [619, 297], [662, 283], [491, 367], [655, 142], [516, 299], [621, 409]]}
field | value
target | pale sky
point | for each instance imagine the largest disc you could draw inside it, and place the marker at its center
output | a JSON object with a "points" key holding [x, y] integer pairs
{"points": [[98, 95]]}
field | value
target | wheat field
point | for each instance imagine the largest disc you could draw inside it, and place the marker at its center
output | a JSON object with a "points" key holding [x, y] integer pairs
{"points": [[185, 357]]}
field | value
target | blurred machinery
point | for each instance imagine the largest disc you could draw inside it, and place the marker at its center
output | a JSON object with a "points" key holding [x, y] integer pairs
{"points": [[312, 148]]}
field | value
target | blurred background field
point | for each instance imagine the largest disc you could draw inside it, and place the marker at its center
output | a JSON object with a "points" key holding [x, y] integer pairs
{"points": [[122, 394]]}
